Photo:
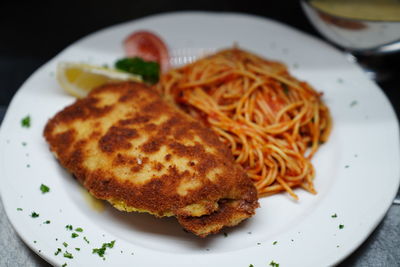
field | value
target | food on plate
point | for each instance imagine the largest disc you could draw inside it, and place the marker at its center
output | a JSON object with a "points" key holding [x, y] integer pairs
{"points": [[149, 47], [272, 122], [128, 146], [78, 78]]}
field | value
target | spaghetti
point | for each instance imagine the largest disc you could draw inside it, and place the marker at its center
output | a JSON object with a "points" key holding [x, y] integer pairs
{"points": [[272, 122]]}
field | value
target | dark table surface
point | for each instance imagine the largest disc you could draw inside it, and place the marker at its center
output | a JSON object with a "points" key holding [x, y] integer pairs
{"points": [[31, 33]]}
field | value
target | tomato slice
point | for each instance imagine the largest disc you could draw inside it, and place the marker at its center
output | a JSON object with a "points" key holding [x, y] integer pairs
{"points": [[148, 46]]}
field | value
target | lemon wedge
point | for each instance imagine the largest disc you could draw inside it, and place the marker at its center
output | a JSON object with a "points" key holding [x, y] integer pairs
{"points": [[79, 79]]}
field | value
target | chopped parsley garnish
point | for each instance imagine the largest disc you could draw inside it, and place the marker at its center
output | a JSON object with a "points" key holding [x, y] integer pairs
{"points": [[34, 215], [251, 265], [19, 209], [101, 251], [73, 235], [65, 244], [26, 122], [334, 215], [47, 222], [44, 188], [68, 227], [79, 229], [68, 255], [258, 243], [77, 249], [64, 265], [275, 242], [273, 264], [24, 143], [111, 244], [341, 226], [225, 234], [34, 241], [149, 70], [353, 103], [58, 251], [87, 241]]}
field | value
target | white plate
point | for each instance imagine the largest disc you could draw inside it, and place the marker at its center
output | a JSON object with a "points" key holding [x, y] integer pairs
{"points": [[357, 170]]}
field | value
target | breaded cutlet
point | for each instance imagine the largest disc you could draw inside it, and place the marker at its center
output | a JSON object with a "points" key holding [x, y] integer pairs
{"points": [[128, 146]]}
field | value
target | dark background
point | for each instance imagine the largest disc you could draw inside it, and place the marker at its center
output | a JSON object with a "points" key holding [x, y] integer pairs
{"points": [[33, 32]]}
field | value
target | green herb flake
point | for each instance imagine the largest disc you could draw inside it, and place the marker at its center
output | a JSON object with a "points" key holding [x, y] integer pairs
{"points": [[34, 241], [65, 244], [46, 222], [101, 251], [275, 242], [77, 249], [34, 215], [334, 215], [87, 241], [225, 234], [341, 226], [273, 264], [73, 235], [58, 251], [68, 227], [68, 255], [19, 209], [24, 143], [353, 103], [148, 70], [64, 265], [26, 122], [44, 188], [251, 265], [111, 244], [80, 230]]}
